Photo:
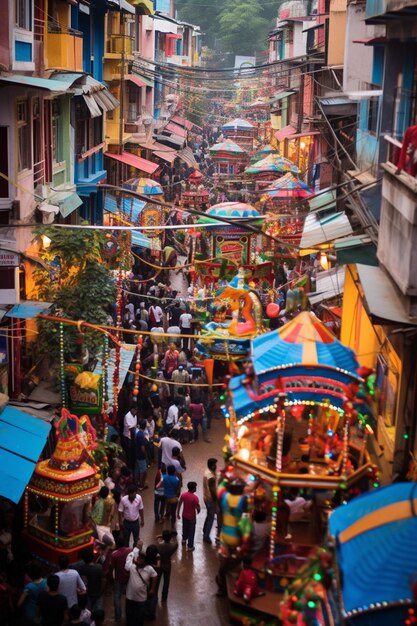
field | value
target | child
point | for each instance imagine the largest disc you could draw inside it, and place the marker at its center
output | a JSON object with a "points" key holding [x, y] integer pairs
{"points": [[191, 506], [85, 613], [98, 618], [246, 585]]}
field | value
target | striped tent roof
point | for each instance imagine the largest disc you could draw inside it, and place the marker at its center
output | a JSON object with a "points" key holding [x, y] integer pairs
{"points": [[227, 146], [147, 186], [237, 124], [305, 340]]}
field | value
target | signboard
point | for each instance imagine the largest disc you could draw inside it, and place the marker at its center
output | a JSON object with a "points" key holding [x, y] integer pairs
{"points": [[84, 390], [9, 259]]}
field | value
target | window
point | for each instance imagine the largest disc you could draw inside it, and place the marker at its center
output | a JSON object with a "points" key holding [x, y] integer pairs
{"points": [[57, 156], [23, 135], [89, 131], [23, 14], [373, 115]]}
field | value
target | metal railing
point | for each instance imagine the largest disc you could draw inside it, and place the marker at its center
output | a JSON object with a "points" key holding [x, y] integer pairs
{"points": [[39, 173]]}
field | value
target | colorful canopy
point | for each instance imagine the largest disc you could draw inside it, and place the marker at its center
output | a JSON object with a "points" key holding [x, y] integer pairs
{"points": [[227, 146], [146, 186], [195, 177], [305, 340], [239, 211], [376, 549], [288, 187], [238, 124], [272, 163]]}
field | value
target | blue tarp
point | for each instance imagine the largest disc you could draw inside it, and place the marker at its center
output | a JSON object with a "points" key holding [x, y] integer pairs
{"points": [[130, 207], [379, 563], [22, 438], [27, 310]]}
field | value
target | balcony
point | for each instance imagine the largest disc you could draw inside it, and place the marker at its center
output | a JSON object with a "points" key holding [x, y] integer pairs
{"points": [[64, 50], [118, 44], [397, 242]]}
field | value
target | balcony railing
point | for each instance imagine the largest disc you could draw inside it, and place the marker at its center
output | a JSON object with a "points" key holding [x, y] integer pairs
{"points": [[117, 44], [39, 173]]}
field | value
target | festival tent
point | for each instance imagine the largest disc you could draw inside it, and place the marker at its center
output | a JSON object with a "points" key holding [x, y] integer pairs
{"points": [[376, 554]]}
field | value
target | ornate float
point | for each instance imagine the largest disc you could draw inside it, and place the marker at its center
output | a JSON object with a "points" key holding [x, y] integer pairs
{"points": [[62, 488], [236, 317]]}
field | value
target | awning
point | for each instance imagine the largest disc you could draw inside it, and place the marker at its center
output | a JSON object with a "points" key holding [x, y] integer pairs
{"points": [[175, 141], [320, 229], [281, 96], [356, 249], [66, 201], [130, 206], [137, 80], [134, 161], [338, 106], [181, 121], [105, 100], [144, 79], [187, 155], [305, 133], [285, 132], [147, 5], [28, 309], [381, 299], [325, 199], [164, 26], [38, 83], [140, 240], [177, 130], [22, 439], [169, 157], [329, 284], [92, 106], [371, 41]]}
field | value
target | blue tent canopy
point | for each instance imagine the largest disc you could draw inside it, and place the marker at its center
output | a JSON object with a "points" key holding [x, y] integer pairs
{"points": [[376, 547], [131, 207], [22, 438]]}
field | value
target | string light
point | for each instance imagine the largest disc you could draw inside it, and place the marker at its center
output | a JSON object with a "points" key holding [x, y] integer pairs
{"points": [[62, 366]]}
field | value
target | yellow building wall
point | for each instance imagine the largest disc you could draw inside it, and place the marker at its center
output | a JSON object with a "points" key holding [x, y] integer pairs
{"points": [[337, 30], [357, 331]]}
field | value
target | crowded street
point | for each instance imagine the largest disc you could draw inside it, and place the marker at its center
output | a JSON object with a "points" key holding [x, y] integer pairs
{"points": [[208, 313]]}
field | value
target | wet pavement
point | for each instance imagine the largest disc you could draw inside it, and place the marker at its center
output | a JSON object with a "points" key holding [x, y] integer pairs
{"points": [[192, 595]]}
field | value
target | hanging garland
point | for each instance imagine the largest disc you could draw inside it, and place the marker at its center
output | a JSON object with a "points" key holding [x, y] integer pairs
{"points": [[62, 366]]}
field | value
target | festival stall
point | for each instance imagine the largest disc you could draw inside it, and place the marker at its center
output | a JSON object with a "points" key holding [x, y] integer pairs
{"points": [[298, 433], [366, 573], [241, 132], [195, 195], [228, 158], [62, 488]]}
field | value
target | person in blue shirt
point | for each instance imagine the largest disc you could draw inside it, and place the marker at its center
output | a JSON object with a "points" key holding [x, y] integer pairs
{"points": [[29, 597], [171, 484]]}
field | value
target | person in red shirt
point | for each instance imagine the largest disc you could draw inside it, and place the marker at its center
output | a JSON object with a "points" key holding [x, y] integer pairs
{"points": [[198, 418], [117, 575], [191, 506]]}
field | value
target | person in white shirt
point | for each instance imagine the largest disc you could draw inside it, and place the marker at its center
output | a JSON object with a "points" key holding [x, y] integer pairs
{"points": [[167, 444], [149, 434], [141, 585], [185, 326], [130, 421], [130, 511], [70, 582], [172, 417], [156, 315]]}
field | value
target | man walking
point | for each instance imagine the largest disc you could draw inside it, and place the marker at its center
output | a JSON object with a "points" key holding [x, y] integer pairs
{"points": [[130, 511], [210, 497], [130, 421], [141, 456], [191, 506], [70, 582], [117, 576], [141, 585], [166, 549]]}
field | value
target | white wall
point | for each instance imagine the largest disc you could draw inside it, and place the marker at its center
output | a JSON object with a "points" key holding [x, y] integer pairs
{"points": [[358, 56]]}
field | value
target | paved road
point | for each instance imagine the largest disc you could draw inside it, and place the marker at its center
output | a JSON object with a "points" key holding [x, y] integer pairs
{"points": [[192, 598]]}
